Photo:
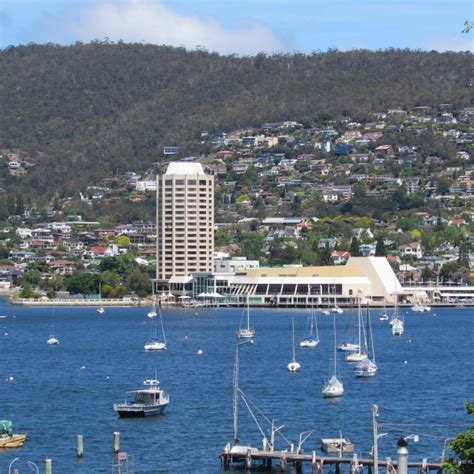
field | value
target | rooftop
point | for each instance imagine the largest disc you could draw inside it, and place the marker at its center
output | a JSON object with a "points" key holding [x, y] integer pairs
{"points": [[183, 168]]}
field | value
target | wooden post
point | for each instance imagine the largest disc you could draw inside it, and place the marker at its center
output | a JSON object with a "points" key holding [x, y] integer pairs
{"points": [[80, 446], [338, 468], [313, 462], [248, 460], [116, 442], [48, 466], [283, 461]]}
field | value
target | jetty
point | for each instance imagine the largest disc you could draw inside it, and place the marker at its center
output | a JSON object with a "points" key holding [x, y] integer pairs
{"points": [[284, 459]]}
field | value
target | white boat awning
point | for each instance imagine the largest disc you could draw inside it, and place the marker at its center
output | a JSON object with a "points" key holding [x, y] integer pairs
{"points": [[180, 279]]}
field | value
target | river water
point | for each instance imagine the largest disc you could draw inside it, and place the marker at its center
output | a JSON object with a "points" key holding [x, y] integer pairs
{"points": [[54, 393]]}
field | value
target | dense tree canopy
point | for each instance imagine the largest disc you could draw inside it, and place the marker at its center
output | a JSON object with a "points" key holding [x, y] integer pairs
{"points": [[88, 111]]}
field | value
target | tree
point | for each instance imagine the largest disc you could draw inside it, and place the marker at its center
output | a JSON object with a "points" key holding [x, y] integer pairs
{"points": [[380, 250], [325, 255], [138, 282], [123, 241], [251, 245], [83, 283], [463, 446], [464, 251], [354, 250]]}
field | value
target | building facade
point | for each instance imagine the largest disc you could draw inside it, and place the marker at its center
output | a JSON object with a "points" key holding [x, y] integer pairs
{"points": [[184, 223]]}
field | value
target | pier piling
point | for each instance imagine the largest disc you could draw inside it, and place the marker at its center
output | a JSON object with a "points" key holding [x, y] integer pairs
{"points": [[402, 451], [48, 466], [313, 462], [116, 442], [80, 446]]}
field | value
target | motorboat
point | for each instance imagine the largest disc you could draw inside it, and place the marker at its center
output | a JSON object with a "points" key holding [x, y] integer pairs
{"points": [[383, 316], [101, 310], [337, 446], [326, 312], [335, 309], [8, 439], [148, 401]]}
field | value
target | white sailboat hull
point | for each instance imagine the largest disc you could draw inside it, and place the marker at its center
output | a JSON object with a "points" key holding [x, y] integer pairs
{"points": [[333, 388], [245, 333], [155, 346], [348, 347], [309, 343], [356, 357], [294, 366]]}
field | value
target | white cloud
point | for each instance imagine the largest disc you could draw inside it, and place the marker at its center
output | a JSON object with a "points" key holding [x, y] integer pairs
{"points": [[153, 22], [452, 44]]}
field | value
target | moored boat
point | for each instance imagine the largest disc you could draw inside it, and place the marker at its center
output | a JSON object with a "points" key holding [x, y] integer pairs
{"points": [[148, 401], [8, 439]]}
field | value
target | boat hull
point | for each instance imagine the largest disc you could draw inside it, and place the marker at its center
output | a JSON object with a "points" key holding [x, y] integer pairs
{"points": [[11, 442], [140, 413]]}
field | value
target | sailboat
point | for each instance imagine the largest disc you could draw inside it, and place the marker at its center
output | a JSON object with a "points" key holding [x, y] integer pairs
{"points": [[246, 332], [335, 309], [384, 316], [53, 340], [334, 388], [154, 343], [312, 339], [293, 366], [361, 353], [398, 326], [101, 309], [152, 313], [368, 367], [349, 345]]}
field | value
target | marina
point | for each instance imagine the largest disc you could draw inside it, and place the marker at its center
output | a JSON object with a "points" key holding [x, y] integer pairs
{"points": [[100, 358]]}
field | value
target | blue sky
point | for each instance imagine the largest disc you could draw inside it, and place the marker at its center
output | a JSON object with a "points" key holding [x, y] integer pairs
{"points": [[243, 26]]}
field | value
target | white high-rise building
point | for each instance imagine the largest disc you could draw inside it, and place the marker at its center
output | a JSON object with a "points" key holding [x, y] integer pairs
{"points": [[184, 222]]}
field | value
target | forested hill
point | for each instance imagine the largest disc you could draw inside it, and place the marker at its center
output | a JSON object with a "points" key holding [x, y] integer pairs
{"points": [[90, 110]]}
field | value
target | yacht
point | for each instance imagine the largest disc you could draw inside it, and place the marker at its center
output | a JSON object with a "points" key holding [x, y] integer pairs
{"points": [[312, 339], [155, 343], [148, 401], [245, 331], [101, 310], [294, 365], [360, 353], [334, 388]]}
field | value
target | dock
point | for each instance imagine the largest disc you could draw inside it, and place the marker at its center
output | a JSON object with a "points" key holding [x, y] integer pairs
{"points": [[283, 459]]}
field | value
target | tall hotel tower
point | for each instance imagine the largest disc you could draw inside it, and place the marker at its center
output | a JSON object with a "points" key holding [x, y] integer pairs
{"points": [[184, 222]]}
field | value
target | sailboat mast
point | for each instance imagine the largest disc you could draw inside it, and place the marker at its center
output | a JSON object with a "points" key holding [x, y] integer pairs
{"points": [[293, 331], [359, 324], [335, 345], [236, 394], [371, 336]]}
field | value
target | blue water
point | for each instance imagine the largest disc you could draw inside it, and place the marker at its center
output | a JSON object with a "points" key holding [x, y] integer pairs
{"points": [[423, 380]]}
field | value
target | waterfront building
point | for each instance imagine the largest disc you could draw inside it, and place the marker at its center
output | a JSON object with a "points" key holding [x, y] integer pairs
{"points": [[184, 224], [370, 278]]}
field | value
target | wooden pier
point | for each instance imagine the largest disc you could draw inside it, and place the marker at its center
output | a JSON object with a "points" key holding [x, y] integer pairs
{"points": [[283, 459]]}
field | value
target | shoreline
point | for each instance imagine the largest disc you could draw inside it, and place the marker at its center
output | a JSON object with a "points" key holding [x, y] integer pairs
{"points": [[140, 303]]}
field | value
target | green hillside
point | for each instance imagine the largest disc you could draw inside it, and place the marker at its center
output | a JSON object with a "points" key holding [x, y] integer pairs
{"points": [[89, 111]]}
